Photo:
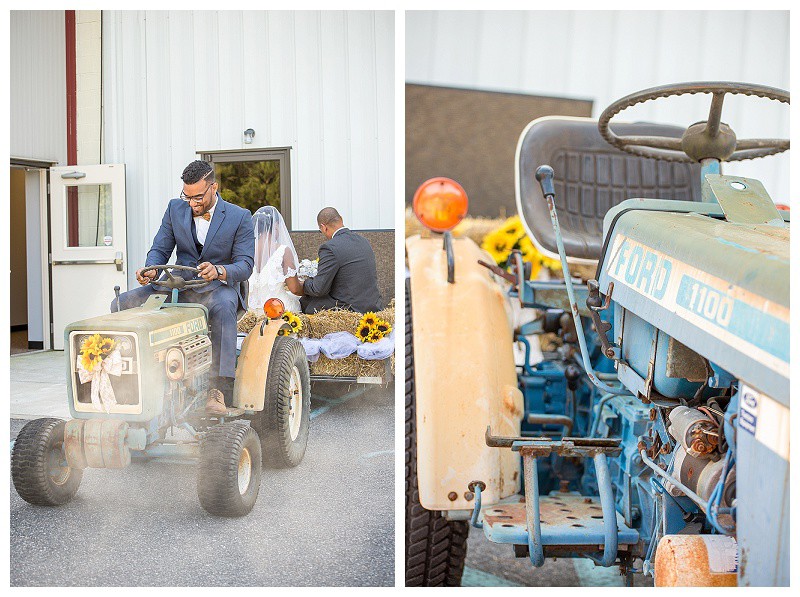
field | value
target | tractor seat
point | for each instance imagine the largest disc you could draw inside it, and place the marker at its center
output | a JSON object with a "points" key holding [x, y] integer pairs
{"points": [[591, 177]]}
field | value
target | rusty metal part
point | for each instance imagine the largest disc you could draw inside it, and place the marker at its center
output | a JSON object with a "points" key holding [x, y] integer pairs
{"points": [[116, 453], [498, 271], [97, 443], [469, 496], [696, 561], [73, 443], [596, 305], [253, 366], [694, 430], [563, 447], [684, 363], [452, 496]]}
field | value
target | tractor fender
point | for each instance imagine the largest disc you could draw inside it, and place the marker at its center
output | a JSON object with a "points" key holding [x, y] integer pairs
{"points": [[465, 377], [253, 366]]}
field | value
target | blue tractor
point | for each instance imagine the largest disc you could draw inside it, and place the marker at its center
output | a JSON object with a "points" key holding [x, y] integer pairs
{"points": [[655, 436]]}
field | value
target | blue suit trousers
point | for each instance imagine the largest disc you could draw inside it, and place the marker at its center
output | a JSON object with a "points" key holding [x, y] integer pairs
{"points": [[222, 303]]}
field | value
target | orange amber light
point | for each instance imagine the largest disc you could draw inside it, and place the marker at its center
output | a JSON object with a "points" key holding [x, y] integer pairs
{"points": [[440, 204], [273, 308]]}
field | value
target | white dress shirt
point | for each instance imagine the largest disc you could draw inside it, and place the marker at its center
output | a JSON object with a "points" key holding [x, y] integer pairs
{"points": [[202, 226]]}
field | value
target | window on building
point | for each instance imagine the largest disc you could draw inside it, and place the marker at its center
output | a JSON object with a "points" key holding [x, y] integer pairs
{"points": [[253, 178]]}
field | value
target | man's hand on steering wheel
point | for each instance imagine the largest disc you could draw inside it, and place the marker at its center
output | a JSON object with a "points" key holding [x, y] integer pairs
{"points": [[145, 277], [210, 272]]}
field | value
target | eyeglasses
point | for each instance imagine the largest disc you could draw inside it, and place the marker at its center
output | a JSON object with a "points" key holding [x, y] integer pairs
{"points": [[197, 198]]}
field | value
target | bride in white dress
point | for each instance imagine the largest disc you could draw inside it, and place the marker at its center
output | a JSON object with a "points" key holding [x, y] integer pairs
{"points": [[275, 261]]}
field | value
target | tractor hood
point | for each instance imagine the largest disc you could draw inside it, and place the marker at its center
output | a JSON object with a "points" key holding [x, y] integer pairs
{"points": [[142, 337], [720, 288]]}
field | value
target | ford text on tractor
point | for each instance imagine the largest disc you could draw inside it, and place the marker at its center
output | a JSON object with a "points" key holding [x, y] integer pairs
{"points": [[655, 437]]}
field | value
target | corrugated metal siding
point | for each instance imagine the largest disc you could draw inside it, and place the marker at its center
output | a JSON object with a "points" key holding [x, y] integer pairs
{"points": [[176, 83], [605, 55], [38, 85]]}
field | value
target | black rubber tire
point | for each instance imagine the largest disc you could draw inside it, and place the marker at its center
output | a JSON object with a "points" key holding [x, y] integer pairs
{"points": [[435, 547], [272, 424], [218, 471], [35, 445]]}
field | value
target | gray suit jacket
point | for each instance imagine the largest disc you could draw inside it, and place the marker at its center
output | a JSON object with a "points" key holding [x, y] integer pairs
{"points": [[346, 277]]}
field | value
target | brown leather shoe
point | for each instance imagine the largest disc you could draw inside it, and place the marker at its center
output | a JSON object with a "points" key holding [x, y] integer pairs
{"points": [[215, 404]]}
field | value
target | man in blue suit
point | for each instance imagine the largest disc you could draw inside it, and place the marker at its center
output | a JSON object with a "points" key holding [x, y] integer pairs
{"points": [[216, 237]]}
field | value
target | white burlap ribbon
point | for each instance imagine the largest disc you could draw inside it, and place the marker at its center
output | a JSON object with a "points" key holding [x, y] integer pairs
{"points": [[102, 393]]}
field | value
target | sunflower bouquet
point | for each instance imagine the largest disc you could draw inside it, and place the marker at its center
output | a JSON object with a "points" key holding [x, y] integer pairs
{"points": [[94, 350], [98, 358], [294, 321], [511, 235], [371, 328]]}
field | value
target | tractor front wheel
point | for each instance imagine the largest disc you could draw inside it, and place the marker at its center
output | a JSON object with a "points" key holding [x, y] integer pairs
{"points": [[229, 474], [39, 468], [284, 422]]}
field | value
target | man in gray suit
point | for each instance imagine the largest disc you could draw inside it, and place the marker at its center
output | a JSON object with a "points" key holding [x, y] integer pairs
{"points": [[346, 277]]}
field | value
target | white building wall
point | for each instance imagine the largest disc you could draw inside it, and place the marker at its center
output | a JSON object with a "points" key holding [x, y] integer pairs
{"points": [[177, 83], [605, 55], [37, 85]]}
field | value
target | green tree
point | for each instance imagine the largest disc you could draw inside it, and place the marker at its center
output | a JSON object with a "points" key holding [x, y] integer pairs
{"points": [[250, 184]]}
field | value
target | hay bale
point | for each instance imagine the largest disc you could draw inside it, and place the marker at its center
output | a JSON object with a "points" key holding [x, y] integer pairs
{"points": [[248, 321], [350, 366], [322, 323]]}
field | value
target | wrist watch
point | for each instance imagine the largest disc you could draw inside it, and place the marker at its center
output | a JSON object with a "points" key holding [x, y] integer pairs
{"points": [[219, 270]]}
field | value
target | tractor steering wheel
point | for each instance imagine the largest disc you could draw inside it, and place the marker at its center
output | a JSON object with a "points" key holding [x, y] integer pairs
{"points": [[703, 140], [176, 282]]}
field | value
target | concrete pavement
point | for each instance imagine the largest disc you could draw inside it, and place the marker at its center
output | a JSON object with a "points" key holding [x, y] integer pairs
{"points": [[327, 522]]}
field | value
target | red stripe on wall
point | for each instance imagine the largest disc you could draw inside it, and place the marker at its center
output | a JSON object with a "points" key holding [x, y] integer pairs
{"points": [[72, 125]]}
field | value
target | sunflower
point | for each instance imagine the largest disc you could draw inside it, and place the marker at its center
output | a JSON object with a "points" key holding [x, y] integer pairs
{"points": [[369, 318], [91, 343], [363, 331], [293, 320], [107, 345], [284, 332], [513, 228], [383, 327], [90, 359], [498, 245]]}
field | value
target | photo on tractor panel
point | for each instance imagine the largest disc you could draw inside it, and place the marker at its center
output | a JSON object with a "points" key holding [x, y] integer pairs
{"points": [[588, 230], [202, 295]]}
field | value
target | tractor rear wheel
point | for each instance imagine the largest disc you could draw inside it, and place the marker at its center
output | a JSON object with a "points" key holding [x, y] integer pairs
{"points": [[436, 548], [39, 468], [284, 422], [229, 474]]}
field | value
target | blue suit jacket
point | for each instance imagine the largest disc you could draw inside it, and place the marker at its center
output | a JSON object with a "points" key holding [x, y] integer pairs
{"points": [[230, 242]]}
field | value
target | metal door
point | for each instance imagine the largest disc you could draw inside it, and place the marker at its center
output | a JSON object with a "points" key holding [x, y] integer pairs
{"points": [[88, 242]]}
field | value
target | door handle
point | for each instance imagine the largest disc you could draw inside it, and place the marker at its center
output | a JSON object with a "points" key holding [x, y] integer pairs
{"points": [[74, 175], [118, 261]]}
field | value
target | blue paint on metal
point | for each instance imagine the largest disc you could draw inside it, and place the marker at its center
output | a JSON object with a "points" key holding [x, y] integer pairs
{"points": [[735, 316], [609, 511]]}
